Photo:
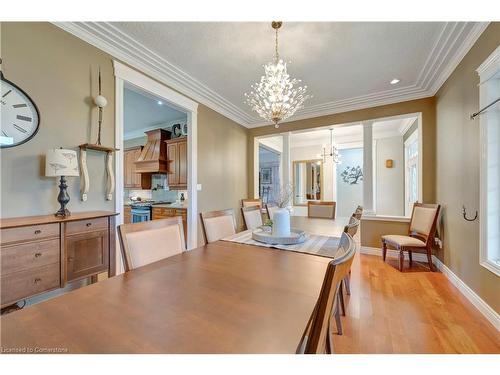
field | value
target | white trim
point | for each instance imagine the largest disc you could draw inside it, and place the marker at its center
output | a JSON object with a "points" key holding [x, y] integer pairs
{"points": [[125, 74], [488, 69], [399, 219], [140, 132], [454, 41], [119, 87], [485, 309]]}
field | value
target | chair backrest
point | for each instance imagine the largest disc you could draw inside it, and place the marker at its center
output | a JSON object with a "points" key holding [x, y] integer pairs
{"points": [[252, 217], [218, 224], [316, 338], [423, 221], [271, 209], [321, 209], [251, 202], [358, 212], [352, 227], [150, 241]]}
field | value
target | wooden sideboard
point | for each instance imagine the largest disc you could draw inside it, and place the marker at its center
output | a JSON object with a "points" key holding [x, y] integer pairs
{"points": [[43, 253]]}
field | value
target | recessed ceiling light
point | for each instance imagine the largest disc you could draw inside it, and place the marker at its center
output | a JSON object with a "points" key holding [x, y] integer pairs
{"points": [[394, 81], [160, 102]]}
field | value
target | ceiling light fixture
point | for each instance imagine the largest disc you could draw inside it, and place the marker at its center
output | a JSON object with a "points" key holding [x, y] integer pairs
{"points": [[160, 102], [394, 81], [334, 152], [274, 98]]}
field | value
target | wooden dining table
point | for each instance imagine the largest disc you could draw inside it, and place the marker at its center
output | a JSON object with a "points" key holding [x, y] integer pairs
{"points": [[223, 297]]}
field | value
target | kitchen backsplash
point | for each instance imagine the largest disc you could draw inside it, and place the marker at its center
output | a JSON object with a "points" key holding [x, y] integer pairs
{"points": [[156, 195]]}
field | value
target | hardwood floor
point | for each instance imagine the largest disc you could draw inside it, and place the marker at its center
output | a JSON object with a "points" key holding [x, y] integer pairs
{"points": [[416, 311]]}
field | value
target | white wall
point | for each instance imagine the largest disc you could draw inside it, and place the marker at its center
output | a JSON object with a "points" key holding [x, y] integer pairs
{"points": [[389, 182], [349, 196]]}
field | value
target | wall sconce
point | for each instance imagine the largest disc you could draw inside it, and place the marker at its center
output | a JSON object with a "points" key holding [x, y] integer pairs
{"points": [[389, 163]]}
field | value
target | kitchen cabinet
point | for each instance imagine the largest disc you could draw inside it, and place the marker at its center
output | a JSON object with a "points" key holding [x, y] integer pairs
{"points": [[127, 214], [164, 212], [132, 179], [43, 253], [177, 158]]}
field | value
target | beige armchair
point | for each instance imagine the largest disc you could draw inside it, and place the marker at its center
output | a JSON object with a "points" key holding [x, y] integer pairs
{"points": [[420, 236]]}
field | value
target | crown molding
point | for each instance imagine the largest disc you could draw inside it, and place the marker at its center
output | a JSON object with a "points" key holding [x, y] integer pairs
{"points": [[493, 61], [453, 43], [111, 40]]}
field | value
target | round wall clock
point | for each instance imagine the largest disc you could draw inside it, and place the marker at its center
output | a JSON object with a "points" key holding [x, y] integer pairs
{"points": [[20, 116]]}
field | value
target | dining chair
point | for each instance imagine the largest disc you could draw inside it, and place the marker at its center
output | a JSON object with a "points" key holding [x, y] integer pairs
{"points": [[420, 236], [251, 202], [358, 212], [317, 337], [321, 209], [150, 241], [218, 224], [271, 209], [252, 217]]}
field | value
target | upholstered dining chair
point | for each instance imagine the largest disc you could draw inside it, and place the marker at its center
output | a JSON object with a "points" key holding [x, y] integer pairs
{"points": [[420, 236], [252, 217], [358, 212], [317, 337], [150, 241], [251, 202], [218, 224], [271, 209], [321, 209]]}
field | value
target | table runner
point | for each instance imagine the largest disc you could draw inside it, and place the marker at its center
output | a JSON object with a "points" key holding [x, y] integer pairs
{"points": [[324, 246]]}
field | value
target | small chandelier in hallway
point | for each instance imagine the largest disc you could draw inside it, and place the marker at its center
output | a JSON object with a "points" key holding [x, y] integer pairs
{"points": [[333, 151], [274, 98]]}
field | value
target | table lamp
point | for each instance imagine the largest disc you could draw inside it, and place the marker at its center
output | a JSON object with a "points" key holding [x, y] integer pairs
{"points": [[61, 163]]}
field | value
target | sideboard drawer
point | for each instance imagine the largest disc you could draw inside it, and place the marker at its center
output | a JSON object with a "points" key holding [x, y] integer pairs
{"points": [[29, 255], [19, 285], [29, 233], [89, 225]]}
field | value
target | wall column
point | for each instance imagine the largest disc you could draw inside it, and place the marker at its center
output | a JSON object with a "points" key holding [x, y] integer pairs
{"points": [[368, 203], [285, 160]]}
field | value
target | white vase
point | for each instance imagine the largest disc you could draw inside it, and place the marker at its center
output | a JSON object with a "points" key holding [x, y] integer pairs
{"points": [[281, 223]]}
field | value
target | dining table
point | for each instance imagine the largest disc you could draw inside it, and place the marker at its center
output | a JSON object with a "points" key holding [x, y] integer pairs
{"points": [[222, 297]]}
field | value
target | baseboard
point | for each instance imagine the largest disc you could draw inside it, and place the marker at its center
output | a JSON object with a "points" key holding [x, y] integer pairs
{"points": [[485, 309]]}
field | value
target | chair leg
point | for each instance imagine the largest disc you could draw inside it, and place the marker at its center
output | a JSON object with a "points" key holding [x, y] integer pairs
{"points": [[384, 250], [341, 298], [411, 259], [347, 283], [401, 260], [338, 322], [429, 259]]}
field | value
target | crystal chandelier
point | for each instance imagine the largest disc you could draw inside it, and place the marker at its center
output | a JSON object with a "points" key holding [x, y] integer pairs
{"points": [[274, 98], [334, 152]]}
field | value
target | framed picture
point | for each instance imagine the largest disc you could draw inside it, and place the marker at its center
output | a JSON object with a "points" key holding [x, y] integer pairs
{"points": [[266, 176]]}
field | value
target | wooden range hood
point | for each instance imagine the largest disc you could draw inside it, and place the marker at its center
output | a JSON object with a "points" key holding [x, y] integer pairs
{"points": [[153, 157]]}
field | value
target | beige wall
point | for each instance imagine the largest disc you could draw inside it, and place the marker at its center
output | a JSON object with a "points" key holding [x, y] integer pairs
{"points": [[372, 230], [222, 149], [425, 106], [58, 71], [457, 166]]}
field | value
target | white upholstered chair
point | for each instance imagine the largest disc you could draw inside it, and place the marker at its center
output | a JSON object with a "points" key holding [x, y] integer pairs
{"points": [[420, 235], [321, 209], [218, 224], [150, 241], [252, 217]]}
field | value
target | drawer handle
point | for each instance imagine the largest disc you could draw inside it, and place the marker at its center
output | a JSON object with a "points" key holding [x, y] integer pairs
{"points": [[88, 224], [37, 255], [37, 280], [38, 231], [70, 259]]}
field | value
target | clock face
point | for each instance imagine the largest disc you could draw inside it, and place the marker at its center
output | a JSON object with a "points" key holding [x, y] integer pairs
{"points": [[19, 115]]}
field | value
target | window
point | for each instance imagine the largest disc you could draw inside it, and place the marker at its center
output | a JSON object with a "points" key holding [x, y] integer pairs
{"points": [[411, 172], [489, 73]]}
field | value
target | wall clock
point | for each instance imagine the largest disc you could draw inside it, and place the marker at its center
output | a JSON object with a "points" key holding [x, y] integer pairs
{"points": [[19, 115]]}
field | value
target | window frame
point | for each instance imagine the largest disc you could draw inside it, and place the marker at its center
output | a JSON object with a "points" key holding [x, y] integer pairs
{"points": [[411, 139], [489, 73]]}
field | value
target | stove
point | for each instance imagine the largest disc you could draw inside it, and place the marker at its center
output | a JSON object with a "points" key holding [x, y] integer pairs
{"points": [[141, 210]]}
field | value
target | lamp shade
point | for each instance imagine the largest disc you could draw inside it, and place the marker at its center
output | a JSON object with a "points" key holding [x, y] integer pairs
{"points": [[61, 162]]}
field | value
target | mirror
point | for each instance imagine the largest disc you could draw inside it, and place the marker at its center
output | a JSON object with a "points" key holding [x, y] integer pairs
{"points": [[307, 181]]}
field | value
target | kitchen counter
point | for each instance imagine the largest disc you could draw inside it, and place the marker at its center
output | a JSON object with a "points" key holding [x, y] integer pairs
{"points": [[178, 205]]}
